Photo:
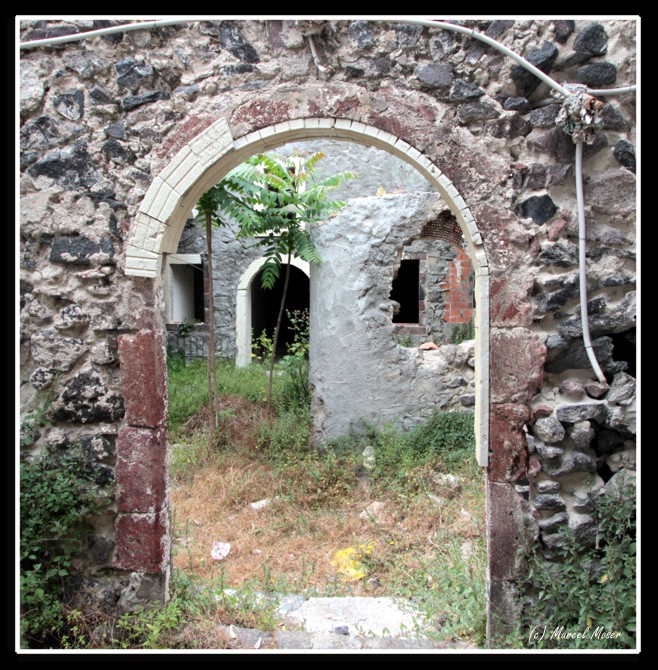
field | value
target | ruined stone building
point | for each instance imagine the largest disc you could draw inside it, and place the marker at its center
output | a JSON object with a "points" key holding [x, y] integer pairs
{"points": [[121, 133]]}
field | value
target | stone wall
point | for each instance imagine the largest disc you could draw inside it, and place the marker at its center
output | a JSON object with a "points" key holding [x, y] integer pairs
{"points": [[105, 120]]}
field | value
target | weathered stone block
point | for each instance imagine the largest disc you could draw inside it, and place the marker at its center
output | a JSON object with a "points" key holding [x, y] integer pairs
{"points": [[573, 461], [544, 117], [509, 513], [54, 351], [559, 144], [624, 152], [596, 75], [70, 316], [86, 399], [563, 30], [517, 362], [612, 193], [361, 34], [543, 58], [581, 433], [42, 378], [144, 382], [622, 389], [517, 104], [140, 542], [549, 430], [71, 167], [234, 42], [545, 452], [102, 353], [46, 132], [464, 91], [140, 469], [507, 442], [133, 101], [553, 523], [31, 87], [80, 250], [117, 152], [548, 487], [619, 460], [98, 447], [70, 105], [131, 73], [435, 75], [592, 411], [592, 40], [100, 95], [549, 501], [539, 208], [575, 357], [477, 111]]}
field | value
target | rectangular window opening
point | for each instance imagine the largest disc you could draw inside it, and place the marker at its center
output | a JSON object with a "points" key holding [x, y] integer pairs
{"points": [[406, 292]]}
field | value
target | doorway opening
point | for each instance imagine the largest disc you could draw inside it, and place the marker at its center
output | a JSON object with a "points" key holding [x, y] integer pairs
{"points": [[241, 501], [265, 305]]}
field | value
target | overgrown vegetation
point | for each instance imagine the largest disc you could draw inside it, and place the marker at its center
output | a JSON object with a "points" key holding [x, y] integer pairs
{"points": [[428, 548], [587, 599], [58, 492], [462, 332]]}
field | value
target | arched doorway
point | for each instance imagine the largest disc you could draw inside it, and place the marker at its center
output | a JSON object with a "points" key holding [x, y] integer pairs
{"points": [[265, 304], [207, 158], [244, 325]]}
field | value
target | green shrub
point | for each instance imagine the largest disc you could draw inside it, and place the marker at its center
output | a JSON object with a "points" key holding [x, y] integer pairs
{"points": [[591, 590], [58, 493]]}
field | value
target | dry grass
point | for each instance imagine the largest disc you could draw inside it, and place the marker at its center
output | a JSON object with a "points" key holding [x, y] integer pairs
{"points": [[288, 545]]}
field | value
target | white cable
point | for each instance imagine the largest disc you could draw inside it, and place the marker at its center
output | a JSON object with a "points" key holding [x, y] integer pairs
{"points": [[497, 45], [582, 263], [611, 91], [102, 31]]}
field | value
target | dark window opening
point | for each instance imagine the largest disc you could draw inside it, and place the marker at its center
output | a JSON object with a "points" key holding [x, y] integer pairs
{"points": [[406, 292], [265, 305]]}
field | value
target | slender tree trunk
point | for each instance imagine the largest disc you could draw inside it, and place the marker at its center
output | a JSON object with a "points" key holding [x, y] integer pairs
{"points": [[277, 330], [212, 368]]}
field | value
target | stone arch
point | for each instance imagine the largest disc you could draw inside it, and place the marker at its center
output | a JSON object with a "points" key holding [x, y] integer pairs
{"points": [[205, 159], [243, 307]]}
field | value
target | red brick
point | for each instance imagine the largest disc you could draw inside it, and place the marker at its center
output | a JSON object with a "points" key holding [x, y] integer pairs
{"points": [[142, 360], [141, 469], [141, 542], [508, 447]]}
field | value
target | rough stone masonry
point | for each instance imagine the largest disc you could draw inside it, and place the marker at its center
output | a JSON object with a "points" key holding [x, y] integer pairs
{"points": [[101, 118]]}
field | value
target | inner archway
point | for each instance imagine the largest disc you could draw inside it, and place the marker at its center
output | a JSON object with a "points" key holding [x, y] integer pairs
{"points": [[265, 304]]}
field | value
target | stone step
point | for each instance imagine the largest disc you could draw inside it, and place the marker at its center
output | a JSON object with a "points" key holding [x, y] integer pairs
{"points": [[341, 623]]}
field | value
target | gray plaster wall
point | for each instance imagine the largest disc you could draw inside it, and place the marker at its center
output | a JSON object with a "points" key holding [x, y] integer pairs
{"points": [[358, 371], [375, 169]]}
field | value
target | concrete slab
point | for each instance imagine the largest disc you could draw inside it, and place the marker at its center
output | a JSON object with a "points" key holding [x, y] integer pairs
{"points": [[372, 617]]}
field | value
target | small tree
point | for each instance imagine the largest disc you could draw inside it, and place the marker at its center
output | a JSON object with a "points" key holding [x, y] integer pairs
{"points": [[207, 205], [272, 198]]}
